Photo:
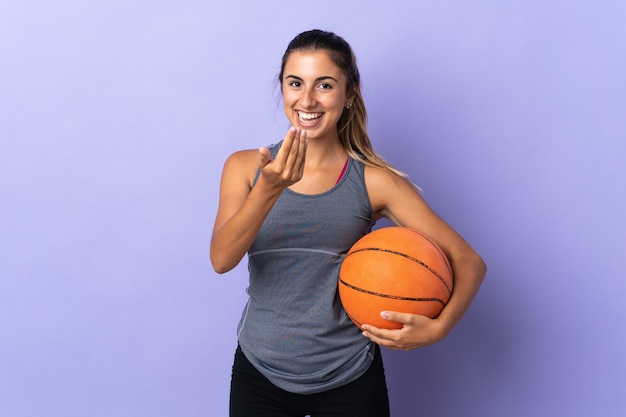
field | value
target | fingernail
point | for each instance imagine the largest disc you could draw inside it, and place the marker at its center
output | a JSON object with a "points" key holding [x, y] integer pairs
{"points": [[384, 314]]}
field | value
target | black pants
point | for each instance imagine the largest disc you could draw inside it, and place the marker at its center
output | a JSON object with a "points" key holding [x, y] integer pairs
{"points": [[253, 395]]}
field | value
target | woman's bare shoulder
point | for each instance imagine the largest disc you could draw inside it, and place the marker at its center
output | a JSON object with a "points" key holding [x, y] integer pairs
{"points": [[386, 189], [243, 156], [242, 164], [380, 178]]}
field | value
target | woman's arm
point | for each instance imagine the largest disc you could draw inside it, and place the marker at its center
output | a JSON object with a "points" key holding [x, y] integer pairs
{"points": [[242, 208], [395, 198]]}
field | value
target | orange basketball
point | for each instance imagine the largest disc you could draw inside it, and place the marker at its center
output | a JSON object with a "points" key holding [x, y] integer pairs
{"points": [[394, 269]]}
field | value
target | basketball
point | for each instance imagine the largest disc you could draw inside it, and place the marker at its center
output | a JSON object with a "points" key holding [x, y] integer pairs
{"points": [[394, 269]]}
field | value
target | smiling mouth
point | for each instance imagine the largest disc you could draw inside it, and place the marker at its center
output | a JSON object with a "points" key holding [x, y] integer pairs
{"points": [[308, 117]]}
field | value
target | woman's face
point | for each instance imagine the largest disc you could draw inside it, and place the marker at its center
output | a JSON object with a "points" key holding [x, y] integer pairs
{"points": [[314, 93]]}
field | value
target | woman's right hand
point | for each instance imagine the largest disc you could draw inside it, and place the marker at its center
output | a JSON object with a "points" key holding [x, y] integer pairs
{"points": [[288, 165]]}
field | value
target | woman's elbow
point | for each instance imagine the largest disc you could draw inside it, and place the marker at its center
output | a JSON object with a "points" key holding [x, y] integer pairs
{"points": [[220, 269], [221, 263], [479, 266]]}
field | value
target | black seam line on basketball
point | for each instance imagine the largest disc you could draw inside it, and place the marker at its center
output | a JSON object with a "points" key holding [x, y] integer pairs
{"points": [[358, 323], [393, 297], [443, 281]]}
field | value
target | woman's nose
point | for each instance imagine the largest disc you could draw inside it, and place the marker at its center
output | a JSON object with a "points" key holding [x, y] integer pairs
{"points": [[308, 98]]}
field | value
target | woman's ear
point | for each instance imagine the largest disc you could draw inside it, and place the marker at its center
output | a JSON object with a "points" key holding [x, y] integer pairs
{"points": [[350, 96]]}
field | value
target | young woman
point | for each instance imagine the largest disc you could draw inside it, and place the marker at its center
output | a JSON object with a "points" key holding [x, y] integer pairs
{"points": [[295, 208]]}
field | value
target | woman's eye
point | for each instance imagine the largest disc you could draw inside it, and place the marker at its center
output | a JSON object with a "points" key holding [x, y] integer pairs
{"points": [[325, 86], [294, 84]]}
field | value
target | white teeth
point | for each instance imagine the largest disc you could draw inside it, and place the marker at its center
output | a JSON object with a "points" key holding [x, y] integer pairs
{"points": [[309, 116]]}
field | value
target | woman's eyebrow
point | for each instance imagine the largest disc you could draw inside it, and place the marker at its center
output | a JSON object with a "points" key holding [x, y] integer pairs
{"points": [[318, 79]]}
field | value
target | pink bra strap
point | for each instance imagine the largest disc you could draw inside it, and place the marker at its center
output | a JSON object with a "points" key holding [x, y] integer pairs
{"points": [[343, 171]]}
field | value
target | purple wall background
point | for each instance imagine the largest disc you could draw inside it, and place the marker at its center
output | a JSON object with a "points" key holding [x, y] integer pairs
{"points": [[116, 117]]}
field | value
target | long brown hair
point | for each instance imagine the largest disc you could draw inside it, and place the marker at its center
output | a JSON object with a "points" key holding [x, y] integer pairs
{"points": [[352, 125]]}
